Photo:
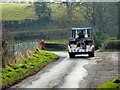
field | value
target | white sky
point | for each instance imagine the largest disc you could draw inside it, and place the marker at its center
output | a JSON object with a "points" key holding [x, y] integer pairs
{"points": [[67, 0]]}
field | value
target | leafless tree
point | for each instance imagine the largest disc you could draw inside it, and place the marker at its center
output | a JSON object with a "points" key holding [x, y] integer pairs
{"points": [[70, 6], [6, 37]]}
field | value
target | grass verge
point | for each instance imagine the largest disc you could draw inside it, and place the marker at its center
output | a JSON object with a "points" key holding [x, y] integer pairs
{"points": [[57, 41], [107, 50], [25, 66], [111, 84], [55, 49]]}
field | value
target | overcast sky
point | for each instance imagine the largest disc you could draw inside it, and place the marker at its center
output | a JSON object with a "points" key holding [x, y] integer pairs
{"points": [[67, 0]]}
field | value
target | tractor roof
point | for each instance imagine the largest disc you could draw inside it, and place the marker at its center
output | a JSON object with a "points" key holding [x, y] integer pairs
{"points": [[78, 28]]}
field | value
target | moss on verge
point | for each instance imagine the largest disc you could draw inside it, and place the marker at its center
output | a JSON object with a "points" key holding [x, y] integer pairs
{"points": [[24, 66], [111, 84]]}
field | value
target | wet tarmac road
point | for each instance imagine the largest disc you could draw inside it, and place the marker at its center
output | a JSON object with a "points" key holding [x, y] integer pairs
{"points": [[68, 72]]}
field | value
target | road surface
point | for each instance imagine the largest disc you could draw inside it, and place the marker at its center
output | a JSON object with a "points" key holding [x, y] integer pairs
{"points": [[79, 72]]}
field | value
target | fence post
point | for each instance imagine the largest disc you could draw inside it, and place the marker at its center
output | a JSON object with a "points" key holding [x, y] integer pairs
{"points": [[1, 50]]}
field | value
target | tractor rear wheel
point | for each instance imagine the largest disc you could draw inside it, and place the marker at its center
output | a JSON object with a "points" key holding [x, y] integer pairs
{"points": [[71, 55], [91, 54]]}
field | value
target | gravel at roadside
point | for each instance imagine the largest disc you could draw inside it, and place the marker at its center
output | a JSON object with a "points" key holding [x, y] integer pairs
{"points": [[103, 67]]}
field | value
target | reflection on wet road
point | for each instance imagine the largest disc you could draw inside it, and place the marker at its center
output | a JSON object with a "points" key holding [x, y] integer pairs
{"points": [[67, 73]]}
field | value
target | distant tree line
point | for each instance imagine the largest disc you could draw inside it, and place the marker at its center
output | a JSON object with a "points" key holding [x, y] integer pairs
{"points": [[119, 20], [101, 16]]}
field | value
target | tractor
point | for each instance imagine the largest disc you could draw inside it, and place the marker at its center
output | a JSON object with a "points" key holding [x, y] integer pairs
{"points": [[81, 41]]}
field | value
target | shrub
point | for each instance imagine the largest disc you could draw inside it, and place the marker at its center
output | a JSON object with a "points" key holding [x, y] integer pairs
{"points": [[111, 45]]}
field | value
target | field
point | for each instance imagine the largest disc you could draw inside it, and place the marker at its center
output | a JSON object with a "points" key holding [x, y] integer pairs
{"points": [[21, 11], [16, 11]]}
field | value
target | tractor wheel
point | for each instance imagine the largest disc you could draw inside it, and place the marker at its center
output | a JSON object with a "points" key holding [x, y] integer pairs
{"points": [[91, 54], [71, 55]]}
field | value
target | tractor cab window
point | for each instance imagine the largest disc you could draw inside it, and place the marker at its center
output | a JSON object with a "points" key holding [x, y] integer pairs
{"points": [[89, 32], [74, 33]]}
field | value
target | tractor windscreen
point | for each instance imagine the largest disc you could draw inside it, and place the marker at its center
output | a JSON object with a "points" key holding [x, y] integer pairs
{"points": [[76, 33], [85, 32]]}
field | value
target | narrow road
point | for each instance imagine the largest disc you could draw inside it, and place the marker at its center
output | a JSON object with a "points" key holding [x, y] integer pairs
{"points": [[79, 72]]}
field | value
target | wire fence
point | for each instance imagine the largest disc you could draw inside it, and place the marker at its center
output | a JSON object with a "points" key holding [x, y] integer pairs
{"points": [[1, 51], [15, 52]]}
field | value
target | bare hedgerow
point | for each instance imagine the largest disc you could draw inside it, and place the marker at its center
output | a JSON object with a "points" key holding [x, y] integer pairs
{"points": [[6, 52]]}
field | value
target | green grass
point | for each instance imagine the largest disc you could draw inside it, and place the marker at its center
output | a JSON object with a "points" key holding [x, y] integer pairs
{"points": [[17, 11], [55, 49], [46, 41], [111, 84], [57, 41], [24, 66]]}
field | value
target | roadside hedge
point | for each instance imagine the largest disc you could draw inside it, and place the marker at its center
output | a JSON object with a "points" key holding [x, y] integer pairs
{"points": [[111, 45]]}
